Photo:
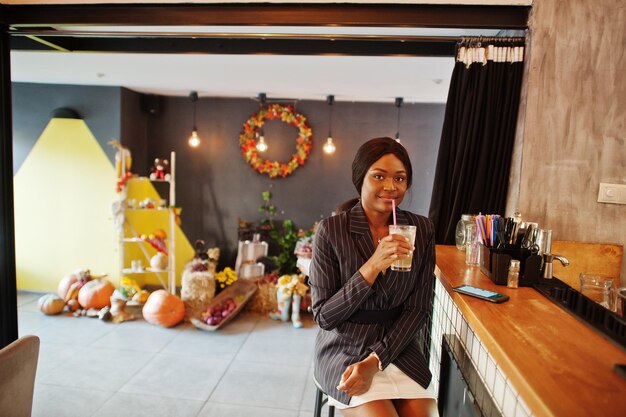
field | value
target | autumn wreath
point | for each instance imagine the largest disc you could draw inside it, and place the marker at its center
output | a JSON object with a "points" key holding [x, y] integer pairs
{"points": [[248, 140]]}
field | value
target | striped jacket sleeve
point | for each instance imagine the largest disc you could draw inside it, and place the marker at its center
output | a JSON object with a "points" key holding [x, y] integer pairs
{"points": [[334, 300]]}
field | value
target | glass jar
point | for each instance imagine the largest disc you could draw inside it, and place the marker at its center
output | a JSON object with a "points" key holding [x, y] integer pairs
{"points": [[512, 279], [460, 230], [472, 247]]}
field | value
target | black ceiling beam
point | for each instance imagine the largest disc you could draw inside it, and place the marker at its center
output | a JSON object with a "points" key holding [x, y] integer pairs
{"points": [[240, 46], [393, 15]]}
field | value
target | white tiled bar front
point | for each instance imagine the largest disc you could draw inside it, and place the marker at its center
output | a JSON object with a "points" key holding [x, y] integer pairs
{"points": [[448, 320]]}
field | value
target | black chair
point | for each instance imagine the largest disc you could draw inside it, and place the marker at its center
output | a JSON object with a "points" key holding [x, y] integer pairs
{"points": [[320, 399]]}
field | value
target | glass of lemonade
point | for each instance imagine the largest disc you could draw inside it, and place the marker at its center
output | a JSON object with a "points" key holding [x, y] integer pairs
{"points": [[403, 264]]}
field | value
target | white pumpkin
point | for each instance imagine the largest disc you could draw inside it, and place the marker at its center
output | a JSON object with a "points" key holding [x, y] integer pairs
{"points": [[51, 304], [159, 261]]}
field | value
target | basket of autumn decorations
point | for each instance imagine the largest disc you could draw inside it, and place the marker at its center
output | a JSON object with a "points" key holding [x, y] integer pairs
{"points": [[264, 300], [227, 304]]}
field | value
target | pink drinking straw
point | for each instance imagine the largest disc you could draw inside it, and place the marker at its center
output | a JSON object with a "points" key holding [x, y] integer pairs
{"points": [[393, 206]]}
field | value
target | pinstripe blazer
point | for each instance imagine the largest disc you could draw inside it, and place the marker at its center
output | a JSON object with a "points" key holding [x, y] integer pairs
{"points": [[342, 244]]}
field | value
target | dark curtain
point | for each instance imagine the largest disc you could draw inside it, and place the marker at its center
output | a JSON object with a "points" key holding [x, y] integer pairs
{"points": [[477, 139], [8, 291]]}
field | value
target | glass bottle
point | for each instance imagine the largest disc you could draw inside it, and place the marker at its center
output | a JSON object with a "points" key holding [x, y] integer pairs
{"points": [[471, 245], [512, 279], [460, 230]]}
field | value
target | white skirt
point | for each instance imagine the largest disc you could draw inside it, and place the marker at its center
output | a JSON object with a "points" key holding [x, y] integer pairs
{"points": [[389, 384]]}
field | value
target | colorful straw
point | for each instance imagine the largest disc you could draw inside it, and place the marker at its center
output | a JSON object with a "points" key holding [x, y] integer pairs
{"points": [[393, 205], [480, 226]]}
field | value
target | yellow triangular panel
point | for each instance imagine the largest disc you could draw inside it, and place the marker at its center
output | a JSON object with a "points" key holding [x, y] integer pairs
{"points": [[63, 195]]}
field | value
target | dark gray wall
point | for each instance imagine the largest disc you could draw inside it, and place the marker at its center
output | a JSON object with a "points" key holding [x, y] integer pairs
{"points": [[33, 105], [215, 186], [134, 128]]}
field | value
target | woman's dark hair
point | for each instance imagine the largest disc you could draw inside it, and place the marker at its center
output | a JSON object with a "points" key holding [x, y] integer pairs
{"points": [[370, 152]]}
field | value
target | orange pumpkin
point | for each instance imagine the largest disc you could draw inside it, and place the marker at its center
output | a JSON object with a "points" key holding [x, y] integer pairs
{"points": [[96, 294], [163, 309], [65, 284]]}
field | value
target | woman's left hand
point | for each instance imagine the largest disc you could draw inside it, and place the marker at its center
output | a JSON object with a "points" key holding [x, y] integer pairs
{"points": [[357, 378]]}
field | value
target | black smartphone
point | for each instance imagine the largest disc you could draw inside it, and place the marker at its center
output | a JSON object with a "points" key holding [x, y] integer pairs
{"points": [[492, 296]]}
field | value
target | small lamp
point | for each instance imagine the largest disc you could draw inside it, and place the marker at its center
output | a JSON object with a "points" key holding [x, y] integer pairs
{"points": [[329, 146], [65, 113], [194, 139], [399, 101]]}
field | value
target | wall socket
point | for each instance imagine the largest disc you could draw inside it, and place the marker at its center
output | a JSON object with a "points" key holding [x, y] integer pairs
{"points": [[612, 193]]}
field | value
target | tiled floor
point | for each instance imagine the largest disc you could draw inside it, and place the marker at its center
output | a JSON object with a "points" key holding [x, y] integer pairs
{"points": [[252, 366]]}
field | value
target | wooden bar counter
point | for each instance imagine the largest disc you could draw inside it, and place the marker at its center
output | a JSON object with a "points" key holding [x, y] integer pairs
{"points": [[559, 365]]}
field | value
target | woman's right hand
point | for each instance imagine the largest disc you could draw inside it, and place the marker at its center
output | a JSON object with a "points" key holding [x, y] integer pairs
{"points": [[389, 249], [357, 378]]}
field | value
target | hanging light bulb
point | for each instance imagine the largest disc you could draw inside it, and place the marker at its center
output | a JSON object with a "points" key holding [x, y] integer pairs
{"points": [[194, 139], [399, 101], [329, 146], [261, 145]]}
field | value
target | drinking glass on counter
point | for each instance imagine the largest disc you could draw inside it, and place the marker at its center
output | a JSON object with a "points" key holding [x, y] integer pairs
{"points": [[599, 288], [409, 231], [471, 245]]}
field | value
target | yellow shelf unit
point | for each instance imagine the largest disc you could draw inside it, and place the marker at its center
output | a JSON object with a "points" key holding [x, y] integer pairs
{"points": [[129, 236]]}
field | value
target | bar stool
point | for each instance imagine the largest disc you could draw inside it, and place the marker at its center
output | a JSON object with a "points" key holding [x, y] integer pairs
{"points": [[321, 398]]}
